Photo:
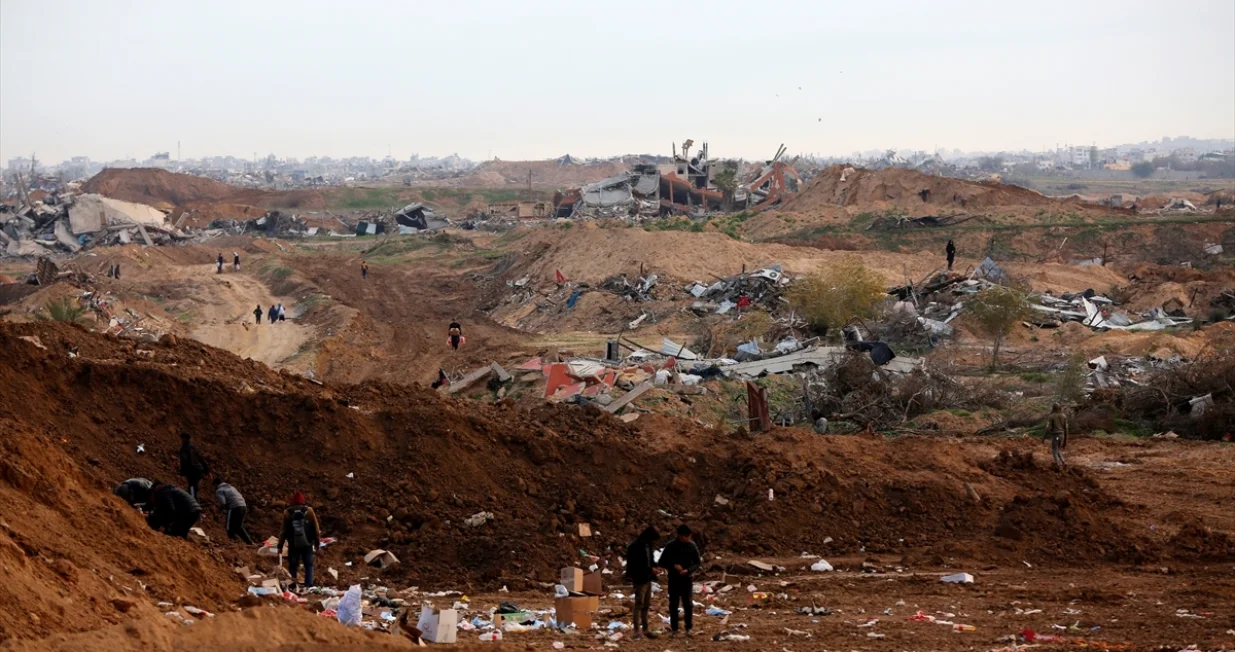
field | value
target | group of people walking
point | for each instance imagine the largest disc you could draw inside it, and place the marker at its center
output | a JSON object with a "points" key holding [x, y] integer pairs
{"points": [[276, 313], [218, 262], [176, 511]]}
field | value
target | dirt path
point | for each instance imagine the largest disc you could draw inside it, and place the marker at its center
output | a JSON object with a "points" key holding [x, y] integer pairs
{"points": [[225, 317]]}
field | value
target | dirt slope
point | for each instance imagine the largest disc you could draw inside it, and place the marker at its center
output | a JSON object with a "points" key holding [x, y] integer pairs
{"points": [[168, 190], [72, 556]]}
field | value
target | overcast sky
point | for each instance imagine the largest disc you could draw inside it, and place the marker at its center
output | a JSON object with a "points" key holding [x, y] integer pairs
{"points": [[535, 79]]}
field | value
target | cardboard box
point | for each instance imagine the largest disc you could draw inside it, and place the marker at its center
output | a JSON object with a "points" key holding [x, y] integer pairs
{"points": [[517, 617], [592, 584], [572, 579], [575, 610], [438, 626]]}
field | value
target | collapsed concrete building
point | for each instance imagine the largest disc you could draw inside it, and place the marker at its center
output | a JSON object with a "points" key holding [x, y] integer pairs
{"points": [[696, 185]]}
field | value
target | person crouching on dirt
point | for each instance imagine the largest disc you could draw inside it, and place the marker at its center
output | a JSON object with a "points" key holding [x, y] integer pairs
{"points": [[175, 511], [641, 570], [1057, 430], [257, 314], [441, 381], [235, 261], [219, 264], [236, 509], [135, 491], [193, 467], [681, 559], [454, 335], [303, 536]]}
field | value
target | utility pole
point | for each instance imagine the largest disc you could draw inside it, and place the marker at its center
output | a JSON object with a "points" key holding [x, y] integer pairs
{"points": [[529, 181]]}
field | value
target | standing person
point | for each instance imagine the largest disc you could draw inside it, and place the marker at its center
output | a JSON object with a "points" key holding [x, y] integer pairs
{"points": [[1057, 430], [303, 536], [257, 313], [681, 559], [135, 491], [273, 315], [193, 467], [235, 261], [951, 251], [175, 511], [641, 570], [282, 314], [364, 270], [219, 264], [231, 500], [454, 335]]}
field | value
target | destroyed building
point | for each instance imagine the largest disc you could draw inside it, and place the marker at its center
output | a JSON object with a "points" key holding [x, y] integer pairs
{"points": [[418, 217]]}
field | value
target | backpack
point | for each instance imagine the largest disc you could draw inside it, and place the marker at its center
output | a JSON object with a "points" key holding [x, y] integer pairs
{"points": [[300, 536]]}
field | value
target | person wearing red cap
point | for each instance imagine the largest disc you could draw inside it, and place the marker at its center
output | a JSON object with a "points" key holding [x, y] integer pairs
{"points": [[303, 535]]}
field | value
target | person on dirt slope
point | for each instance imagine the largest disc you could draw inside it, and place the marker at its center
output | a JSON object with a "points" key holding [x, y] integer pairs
{"points": [[135, 491], [281, 313], [175, 511], [951, 251], [641, 570], [236, 509], [257, 313], [235, 261], [1057, 430], [303, 536], [193, 467], [273, 315], [364, 270], [441, 381], [681, 559], [454, 334], [219, 264]]}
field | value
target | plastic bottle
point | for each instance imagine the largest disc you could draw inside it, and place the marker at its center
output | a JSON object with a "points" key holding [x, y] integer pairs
{"points": [[495, 635]]}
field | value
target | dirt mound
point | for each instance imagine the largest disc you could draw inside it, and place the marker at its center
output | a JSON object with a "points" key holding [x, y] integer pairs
{"points": [[913, 192], [168, 190], [251, 630], [539, 471], [74, 557]]}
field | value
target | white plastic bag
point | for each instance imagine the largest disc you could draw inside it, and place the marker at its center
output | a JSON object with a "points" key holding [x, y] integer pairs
{"points": [[821, 566], [349, 607], [560, 591]]}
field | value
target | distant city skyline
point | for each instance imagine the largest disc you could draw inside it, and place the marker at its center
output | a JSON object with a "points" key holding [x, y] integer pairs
{"points": [[548, 77]]}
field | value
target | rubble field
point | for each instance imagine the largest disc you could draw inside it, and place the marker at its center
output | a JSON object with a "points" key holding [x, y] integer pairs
{"points": [[474, 497]]}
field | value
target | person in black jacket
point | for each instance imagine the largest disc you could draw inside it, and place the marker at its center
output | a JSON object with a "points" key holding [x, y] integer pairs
{"points": [[641, 570], [681, 559], [193, 467], [951, 251], [175, 511]]}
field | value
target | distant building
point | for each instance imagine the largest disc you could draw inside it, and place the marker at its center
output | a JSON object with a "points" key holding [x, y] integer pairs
{"points": [[1184, 155]]}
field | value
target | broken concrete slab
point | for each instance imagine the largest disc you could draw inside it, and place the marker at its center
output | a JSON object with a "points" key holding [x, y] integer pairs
{"points": [[93, 213], [628, 397]]}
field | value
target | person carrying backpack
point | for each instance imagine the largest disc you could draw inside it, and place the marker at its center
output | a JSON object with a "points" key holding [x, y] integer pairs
{"points": [[303, 536]]}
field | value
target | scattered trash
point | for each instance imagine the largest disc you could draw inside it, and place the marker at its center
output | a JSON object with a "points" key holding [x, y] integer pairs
{"points": [[821, 566], [478, 519], [349, 607], [380, 559], [958, 578]]}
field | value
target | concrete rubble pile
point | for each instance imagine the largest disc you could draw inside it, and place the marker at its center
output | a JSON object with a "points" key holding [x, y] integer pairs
{"points": [[763, 287], [69, 223], [938, 301]]}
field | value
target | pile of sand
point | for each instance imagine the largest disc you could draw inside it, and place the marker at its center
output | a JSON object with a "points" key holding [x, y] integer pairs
{"points": [[168, 190]]}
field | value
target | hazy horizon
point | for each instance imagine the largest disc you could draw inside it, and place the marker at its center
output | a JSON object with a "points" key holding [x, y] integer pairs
{"points": [[480, 79]]}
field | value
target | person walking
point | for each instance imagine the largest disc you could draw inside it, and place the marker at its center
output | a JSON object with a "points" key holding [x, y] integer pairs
{"points": [[641, 570], [281, 314], [175, 511], [681, 559], [1057, 430], [235, 261], [951, 251], [454, 335], [193, 467], [303, 536], [257, 314], [236, 509], [273, 315], [219, 264], [364, 270]]}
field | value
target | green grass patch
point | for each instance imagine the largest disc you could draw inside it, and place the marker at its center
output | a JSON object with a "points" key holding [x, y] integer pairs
{"points": [[1035, 377]]}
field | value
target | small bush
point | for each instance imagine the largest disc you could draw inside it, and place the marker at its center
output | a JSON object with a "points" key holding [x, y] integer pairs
{"points": [[831, 297], [63, 310]]}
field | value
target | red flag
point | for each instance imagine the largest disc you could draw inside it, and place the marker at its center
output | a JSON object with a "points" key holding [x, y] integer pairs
{"points": [[557, 274]]}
